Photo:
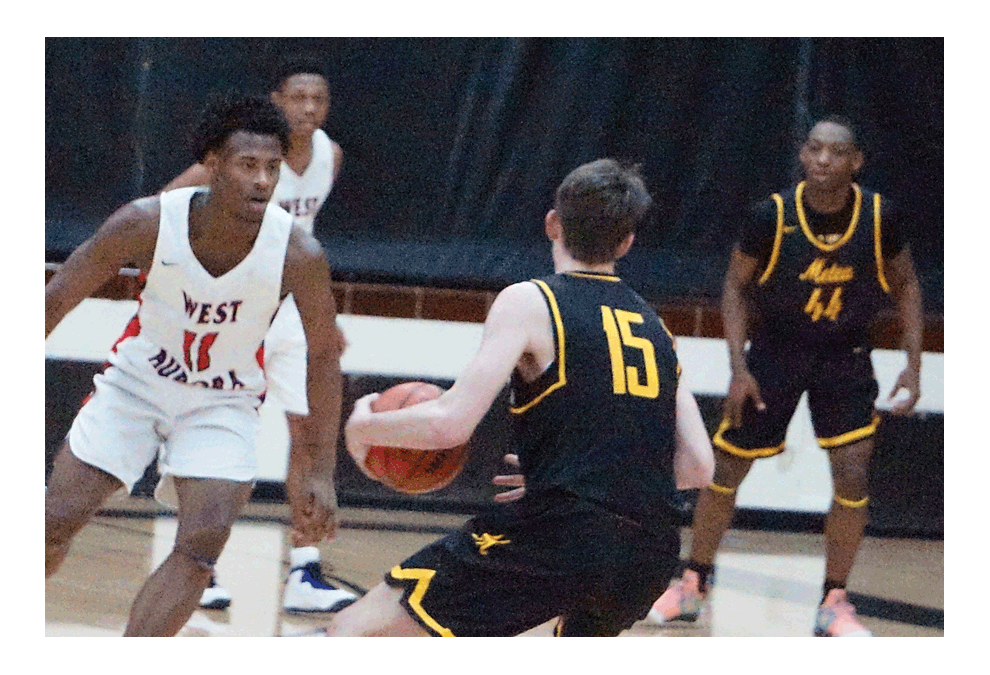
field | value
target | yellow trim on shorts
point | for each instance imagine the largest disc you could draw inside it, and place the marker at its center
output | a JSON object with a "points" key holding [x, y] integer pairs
{"points": [[851, 436], [422, 577], [561, 370], [754, 453], [849, 504]]}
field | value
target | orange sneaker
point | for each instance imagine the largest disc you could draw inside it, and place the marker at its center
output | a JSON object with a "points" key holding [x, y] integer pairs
{"points": [[837, 617], [681, 602]]}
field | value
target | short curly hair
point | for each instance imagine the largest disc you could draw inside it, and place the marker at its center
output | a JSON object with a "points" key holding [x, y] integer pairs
{"points": [[296, 64], [230, 112], [599, 204]]}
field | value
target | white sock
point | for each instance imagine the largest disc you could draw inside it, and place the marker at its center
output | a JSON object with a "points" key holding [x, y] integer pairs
{"points": [[303, 555]]}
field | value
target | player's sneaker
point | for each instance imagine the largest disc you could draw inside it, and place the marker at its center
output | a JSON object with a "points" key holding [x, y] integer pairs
{"points": [[307, 591], [681, 602], [837, 617], [214, 596]]}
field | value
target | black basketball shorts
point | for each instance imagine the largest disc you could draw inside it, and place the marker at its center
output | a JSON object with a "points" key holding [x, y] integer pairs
{"points": [[537, 559], [842, 392]]}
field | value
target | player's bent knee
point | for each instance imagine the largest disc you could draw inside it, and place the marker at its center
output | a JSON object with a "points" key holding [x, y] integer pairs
{"points": [[203, 542], [378, 613], [206, 564], [62, 523], [59, 531]]}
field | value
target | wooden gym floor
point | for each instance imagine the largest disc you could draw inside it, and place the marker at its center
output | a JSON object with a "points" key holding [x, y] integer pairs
{"points": [[768, 583]]}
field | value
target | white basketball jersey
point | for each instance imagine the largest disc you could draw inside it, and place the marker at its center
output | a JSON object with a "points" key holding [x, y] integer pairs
{"points": [[302, 196], [201, 330]]}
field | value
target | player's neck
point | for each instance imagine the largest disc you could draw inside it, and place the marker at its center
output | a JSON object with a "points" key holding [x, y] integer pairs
{"points": [[300, 152], [826, 200], [209, 220], [568, 264]]}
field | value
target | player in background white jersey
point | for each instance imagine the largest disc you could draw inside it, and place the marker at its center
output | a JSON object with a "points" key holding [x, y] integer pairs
{"points": [[184, 380], [307, 174]]}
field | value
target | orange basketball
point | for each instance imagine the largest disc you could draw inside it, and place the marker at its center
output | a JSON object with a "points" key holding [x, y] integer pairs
{"points": [[413, 471]]}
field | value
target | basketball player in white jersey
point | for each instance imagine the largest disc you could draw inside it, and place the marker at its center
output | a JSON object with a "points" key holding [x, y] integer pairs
{"points": [[185, 381], [307, 174]]}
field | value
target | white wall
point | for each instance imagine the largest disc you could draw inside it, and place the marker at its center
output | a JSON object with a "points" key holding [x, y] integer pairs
{"points": [[798, 480]]}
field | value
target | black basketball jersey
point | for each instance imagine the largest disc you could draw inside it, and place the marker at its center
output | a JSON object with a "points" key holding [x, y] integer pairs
{"points": [[599, 422], [820, 289]]}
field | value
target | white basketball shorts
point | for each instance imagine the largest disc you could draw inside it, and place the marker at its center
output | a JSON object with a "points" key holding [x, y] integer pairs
{"points": [[201, 433], [285, 360]]}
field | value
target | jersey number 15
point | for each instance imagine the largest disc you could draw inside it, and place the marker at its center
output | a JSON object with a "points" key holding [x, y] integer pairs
{"points": [[626, 379]]}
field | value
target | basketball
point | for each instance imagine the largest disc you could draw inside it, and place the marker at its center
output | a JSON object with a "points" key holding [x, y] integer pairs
{"points": [[413, 471]]}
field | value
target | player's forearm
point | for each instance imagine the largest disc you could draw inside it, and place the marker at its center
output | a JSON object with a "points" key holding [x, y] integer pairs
{"points": [[735, 319], [694, 461], [55, 310], [425, 426], [324, 394], [908, 300]]}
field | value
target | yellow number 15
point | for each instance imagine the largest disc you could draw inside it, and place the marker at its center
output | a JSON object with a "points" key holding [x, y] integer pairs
{"points": [[616, 323]]}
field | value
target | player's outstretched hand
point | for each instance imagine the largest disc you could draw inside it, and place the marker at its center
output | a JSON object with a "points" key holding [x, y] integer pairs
{"points": [[742, 387], [514, 480]]}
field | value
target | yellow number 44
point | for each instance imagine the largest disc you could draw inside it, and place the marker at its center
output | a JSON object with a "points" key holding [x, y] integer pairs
{"points": [[816, 309], [617, 328]]}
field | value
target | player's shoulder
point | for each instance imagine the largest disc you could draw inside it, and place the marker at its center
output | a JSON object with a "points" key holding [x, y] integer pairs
{"points": [[137, 215], [303, 249], [519, 300], [521, 290], [769, 202]]}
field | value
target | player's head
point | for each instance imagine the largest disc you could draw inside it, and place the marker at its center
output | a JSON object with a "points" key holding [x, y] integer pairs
{"points": [[599, 205], [229, 113], [301, 91], [241, 141], [831, 155]]}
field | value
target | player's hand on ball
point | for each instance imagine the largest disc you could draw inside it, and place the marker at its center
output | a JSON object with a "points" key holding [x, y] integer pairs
{"points": [[514, 480], [358, 450]]}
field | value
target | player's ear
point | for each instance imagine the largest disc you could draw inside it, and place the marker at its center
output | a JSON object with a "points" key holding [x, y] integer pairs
{"points": [[210, 162], [857, 162], [625, 245], [552, 226]]}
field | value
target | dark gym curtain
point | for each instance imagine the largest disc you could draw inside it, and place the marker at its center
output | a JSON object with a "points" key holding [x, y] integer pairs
{"points": [[453, 146]]}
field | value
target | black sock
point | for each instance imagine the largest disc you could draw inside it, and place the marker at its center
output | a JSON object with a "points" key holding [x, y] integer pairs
{"points": [[829, 585], [705, 573]]}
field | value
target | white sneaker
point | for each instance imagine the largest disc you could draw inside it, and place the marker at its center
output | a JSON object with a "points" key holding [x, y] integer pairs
{"points": [[837, 617], [214, 596], [307, 591]]}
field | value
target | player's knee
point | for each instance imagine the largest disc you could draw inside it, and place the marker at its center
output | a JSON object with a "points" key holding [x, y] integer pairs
{"points": [[851, 481], [730, 471], [203, 542], [61, 522], [58, 530]]}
